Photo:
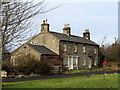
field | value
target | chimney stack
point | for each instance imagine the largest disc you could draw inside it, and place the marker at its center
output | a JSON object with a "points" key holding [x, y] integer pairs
{"points": [[86, 34], [67, 29], [45, 26]]}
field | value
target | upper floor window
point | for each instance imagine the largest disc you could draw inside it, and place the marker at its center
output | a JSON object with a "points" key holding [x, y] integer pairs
{"points": [[95, 51], [65, 48], [75, 48], [84, 49]]}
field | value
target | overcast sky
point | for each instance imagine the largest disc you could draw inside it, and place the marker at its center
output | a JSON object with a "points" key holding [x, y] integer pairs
{"points": [[101, 18]]}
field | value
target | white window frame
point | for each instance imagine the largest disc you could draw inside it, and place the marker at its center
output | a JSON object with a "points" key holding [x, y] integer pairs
{"points": [[76, 59], [95, 51], [13, 60], [90, 64], [31, 42], [95, 62], [84, 63], [84, 49], [75, 48], [72, 56], [65, 47]]}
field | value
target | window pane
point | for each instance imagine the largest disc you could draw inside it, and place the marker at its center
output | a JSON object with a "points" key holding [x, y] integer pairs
{"points": [[84, 62], [75, 48], [83, 49], [70, 60], [74, 61], [64, 47], [95, 51], [95, 62]]}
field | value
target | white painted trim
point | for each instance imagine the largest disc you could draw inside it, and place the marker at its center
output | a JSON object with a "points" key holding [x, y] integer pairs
{"points": [[90, 64], [71, 66]]}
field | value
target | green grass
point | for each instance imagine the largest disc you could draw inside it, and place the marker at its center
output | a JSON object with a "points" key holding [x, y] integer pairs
{"points": [[84, 71], [92, 81]]}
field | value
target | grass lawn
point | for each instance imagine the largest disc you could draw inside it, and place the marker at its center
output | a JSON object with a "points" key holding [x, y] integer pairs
{"points": [[84, 71], [92, 81]]}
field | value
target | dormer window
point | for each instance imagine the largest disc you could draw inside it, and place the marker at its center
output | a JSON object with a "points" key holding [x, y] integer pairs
{"points": [[75, 48], [84, 49], [65, 48]]}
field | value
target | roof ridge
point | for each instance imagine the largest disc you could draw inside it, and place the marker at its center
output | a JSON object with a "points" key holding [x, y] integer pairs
{"points": [[73, 38], [67, 35]]}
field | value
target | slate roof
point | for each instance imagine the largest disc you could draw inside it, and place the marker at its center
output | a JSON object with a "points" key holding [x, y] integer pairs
{"points": [[4, 51], [73, 38], [42, 49]]}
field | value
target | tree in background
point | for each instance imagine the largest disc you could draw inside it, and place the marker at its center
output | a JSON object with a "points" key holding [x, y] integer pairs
{"points": [[110, 53], [16, 21]]}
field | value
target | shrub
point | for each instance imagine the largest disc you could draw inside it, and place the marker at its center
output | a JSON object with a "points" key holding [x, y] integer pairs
{"points": [[44, 68], [9, 68], [29, 64]]}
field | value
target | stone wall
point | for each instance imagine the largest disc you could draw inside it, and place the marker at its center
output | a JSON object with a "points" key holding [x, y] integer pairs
{"points": [[48, 40], [82, 56], [24, 50]]}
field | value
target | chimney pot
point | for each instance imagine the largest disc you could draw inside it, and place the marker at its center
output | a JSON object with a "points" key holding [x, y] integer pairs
{"points": [[46, 21], [43, 21]]}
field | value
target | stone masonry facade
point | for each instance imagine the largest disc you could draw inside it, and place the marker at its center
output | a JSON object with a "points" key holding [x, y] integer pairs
{"points": [[77, 52]]}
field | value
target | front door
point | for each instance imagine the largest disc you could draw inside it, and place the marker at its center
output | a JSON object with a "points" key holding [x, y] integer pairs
{"points": [[70, 63]]}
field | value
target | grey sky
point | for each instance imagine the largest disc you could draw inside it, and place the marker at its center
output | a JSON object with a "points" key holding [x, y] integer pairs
{"points": [[101, 18]]}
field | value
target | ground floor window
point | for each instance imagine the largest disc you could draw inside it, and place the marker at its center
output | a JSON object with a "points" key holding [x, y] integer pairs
{"points": [[75, 61], [84, 63], [90, 64], [71, 61], [14, 60], [95, 63]]}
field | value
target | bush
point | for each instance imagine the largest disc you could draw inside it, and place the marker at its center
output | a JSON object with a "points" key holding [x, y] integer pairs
{"points": [[29, 64], [9, 68], [44, 68]]}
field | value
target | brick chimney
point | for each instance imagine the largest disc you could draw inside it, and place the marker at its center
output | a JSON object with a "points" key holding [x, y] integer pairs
{"points": [[67, 29], [86, 34], [44, 27]]}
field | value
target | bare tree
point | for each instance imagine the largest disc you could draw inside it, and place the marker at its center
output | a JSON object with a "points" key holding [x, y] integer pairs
{"points": [[16, 21]]}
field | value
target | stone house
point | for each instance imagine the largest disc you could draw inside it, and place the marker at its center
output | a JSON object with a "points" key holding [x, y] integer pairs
{"points": [[5, 55], [76, 52]]}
